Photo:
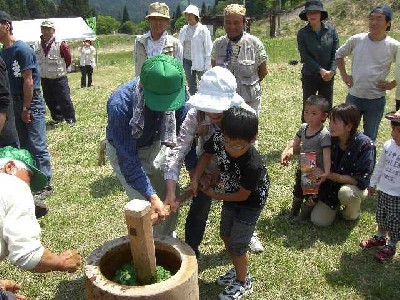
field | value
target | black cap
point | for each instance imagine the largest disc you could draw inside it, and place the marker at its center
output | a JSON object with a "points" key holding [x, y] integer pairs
{"points": [[5, 16], [313, 5]]}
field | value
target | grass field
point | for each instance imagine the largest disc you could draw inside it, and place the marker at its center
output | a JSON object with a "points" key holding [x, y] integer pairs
{"points": [[300, 261]]}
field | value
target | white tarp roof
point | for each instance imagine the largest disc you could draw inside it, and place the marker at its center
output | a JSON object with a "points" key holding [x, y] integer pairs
{"points": [[67, 29]]}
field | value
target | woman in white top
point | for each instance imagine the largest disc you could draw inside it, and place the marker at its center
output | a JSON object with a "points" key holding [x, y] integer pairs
{"points": [[197, 45], [87, 62]]}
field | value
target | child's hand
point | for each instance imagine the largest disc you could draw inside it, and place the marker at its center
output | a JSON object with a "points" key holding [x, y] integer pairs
{"points": [[209, 192], [286, 156], [194, 185], [322, 177], [371, 191]]}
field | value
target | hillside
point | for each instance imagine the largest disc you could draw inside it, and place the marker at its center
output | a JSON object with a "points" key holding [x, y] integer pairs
{"points": [[137, 8]]}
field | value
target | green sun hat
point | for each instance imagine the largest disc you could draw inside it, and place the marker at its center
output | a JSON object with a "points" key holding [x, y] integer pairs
{"points": [[163, 83], [38, 179]]}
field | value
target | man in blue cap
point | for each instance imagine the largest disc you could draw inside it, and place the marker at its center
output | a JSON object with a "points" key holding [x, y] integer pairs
{"points": [[372, 55], [19, 229]]}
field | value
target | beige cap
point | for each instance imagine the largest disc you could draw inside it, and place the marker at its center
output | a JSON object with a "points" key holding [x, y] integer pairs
{"points": [[237, 9], [48, 23], [158, 9]]}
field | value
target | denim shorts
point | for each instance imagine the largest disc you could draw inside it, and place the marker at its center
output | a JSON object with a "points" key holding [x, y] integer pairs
{"points": [[237, 226]]}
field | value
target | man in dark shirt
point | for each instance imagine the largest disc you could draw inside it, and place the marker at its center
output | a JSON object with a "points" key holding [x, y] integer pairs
{"points": [[8, 132]]}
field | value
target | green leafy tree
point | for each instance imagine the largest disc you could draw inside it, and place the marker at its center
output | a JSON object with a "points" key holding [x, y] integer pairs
{"points": [[18, 10], [177, 15], [125, 15], [4, 5], [203, 9], [179, 23], [36, 8], [75, 8], [128, 27], [107, 25]]}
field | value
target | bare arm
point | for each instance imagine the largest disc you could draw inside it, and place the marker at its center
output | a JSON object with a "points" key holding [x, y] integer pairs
{"points": [[341, 65], [291, 148], [68, 261], [240, 195], [27, 94], [262, 70]]}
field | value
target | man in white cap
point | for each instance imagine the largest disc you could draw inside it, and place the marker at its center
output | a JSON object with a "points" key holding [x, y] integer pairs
{"points": [[156, 40], [197, 45], [54, 58]]}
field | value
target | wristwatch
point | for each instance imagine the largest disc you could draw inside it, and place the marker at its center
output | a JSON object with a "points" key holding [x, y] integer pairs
{"points": [[26, 108]]}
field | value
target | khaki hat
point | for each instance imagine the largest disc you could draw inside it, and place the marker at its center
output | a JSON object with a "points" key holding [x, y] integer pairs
{"points": [[48, 23], [158, 9]]}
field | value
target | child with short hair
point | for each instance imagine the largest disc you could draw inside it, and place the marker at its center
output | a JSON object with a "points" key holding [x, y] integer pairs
{"points": [[312, 136], [386, 179], [244, 183]]}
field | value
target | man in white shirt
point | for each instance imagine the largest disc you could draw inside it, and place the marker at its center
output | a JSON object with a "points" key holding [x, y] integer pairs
{"points": [[19, 229], [372, 55]]}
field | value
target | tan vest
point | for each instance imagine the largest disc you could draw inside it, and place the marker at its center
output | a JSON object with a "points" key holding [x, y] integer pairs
{"points": [[170, 48], [246, 67], [53, 65]]}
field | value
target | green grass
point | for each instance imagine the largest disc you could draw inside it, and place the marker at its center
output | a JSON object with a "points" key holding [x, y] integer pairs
{"points": [[300, 261]]}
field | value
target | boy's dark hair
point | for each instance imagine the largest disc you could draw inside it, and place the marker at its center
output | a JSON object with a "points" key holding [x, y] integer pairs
{"points": [[348, 114], [239, 123], [394, 123], [319, 101]]}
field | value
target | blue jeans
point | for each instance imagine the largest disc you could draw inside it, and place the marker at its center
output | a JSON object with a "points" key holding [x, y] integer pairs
{"points": [[371, 110], [32, 136], [191, 76], [196, 220]]}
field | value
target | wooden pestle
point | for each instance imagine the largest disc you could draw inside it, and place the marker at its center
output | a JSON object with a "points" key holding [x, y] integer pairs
{"points": [[139, 220]]}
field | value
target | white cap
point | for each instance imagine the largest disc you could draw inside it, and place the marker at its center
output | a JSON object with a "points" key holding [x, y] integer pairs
{"points": [[192, 9], [217, 92]]}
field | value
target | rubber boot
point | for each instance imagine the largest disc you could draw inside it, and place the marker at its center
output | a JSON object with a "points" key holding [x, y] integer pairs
{"points": [[296, 205], [305, 213]]}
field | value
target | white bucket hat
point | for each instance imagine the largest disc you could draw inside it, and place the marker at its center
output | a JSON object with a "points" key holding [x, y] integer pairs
{"points": [[192, 9], [217, 92]]}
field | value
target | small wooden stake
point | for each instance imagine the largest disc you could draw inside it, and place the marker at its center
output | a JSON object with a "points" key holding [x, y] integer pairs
{"points": [[140, 232]]}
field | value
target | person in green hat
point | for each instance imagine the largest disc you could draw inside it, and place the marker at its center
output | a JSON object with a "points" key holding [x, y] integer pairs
{"points": [[143, 118], [19, 229]]}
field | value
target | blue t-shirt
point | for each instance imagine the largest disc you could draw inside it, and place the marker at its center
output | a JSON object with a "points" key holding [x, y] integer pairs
{"points": [[20, 57]]}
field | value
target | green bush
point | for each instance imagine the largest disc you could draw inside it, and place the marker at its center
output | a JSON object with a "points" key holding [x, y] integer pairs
{"points": [[107, 25], [128, 27]]}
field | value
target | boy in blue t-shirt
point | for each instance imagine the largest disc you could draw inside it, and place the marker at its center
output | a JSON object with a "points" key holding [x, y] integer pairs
{"points": [[245, 183]]}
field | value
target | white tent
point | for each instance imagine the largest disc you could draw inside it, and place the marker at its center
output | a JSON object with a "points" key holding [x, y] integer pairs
{"points": [[67, 29]]}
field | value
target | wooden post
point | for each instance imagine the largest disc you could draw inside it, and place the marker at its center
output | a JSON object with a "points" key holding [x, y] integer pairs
{"points": [[140, 232]]}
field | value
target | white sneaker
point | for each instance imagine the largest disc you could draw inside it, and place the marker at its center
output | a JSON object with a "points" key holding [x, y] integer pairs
{"points": [[173, 234], [236, 290], [255, 244]]}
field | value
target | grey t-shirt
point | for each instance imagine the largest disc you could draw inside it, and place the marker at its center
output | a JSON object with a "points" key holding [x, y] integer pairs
{"points": [[316, 142]]}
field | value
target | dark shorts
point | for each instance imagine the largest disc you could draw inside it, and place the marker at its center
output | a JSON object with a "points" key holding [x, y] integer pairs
{"points": [[388, 214], [237, 225]]}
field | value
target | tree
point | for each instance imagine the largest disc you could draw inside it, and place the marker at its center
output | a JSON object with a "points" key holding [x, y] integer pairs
{"points": [[203, 9], [178, 13], [75, 8], [125, 15], [4, 5], [36, 9], [179, 23], [106, 25], [128, 27], [17, 9]]}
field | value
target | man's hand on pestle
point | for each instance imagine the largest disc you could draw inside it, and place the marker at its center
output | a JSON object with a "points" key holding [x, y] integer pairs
{"points": [[158, 207]]}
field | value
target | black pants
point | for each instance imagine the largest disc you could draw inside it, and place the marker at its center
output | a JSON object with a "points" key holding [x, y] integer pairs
{"points": [[57, 95], [86, 71], [313, 85]]}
